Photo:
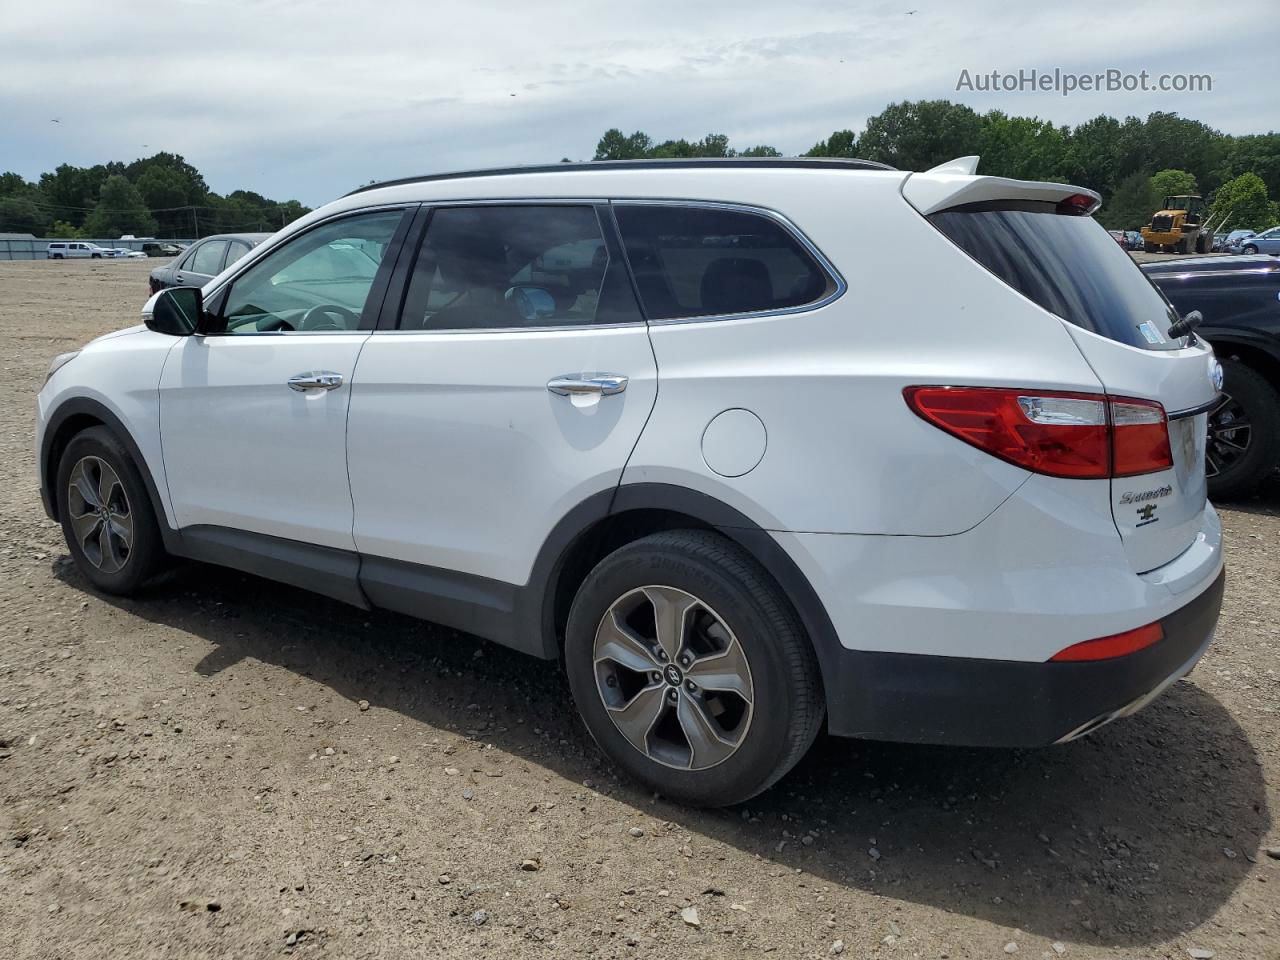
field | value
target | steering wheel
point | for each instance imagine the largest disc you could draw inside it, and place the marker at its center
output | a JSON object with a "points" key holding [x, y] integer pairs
{"points": [[328, 316]]}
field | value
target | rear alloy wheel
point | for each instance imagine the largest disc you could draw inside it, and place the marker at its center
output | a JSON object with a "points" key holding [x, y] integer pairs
{"points": [[673, 677], [106, 514], [1244, 430], [691, 670]]}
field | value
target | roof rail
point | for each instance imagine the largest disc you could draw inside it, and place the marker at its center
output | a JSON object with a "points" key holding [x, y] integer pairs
{"points": [[820, 163]]}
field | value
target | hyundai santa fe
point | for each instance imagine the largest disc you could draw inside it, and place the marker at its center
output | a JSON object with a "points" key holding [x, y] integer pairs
{"points": [[680, 425]]}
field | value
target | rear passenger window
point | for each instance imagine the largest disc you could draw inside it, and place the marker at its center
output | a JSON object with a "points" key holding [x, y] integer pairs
{"points": [[208, 257], [692, 261], [498, 267]]}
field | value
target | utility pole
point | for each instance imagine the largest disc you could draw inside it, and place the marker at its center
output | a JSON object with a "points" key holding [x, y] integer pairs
{"points": [[195, 223]]}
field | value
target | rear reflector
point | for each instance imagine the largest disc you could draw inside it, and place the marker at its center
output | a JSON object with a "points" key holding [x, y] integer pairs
{"points": [[1116, 645], [1074, 435]]}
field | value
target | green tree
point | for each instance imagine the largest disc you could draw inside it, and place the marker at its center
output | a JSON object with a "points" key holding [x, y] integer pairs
{"points": [[14, 185], [841, 143], [1256, 153], [120, 210], [1131, 205], [615, 145], [761, 150], [68, 193], [917, 135], [1093, 154], [63, 231], [194, 187], [1173, 183], [1243, 201], [22, 215], [1026, 148]]}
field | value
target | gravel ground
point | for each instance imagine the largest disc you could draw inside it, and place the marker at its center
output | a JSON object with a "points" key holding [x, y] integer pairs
{"points": [[230, 768]]}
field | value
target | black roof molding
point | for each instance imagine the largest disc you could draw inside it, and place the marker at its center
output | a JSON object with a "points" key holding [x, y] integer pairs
{"points": [[801, 163]]}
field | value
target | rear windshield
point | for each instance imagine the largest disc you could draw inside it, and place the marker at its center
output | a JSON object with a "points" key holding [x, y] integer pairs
{"points": [[1069, 265]]}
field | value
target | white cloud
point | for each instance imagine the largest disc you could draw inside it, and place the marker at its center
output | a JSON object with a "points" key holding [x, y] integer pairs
{"points": [[308, 99]]}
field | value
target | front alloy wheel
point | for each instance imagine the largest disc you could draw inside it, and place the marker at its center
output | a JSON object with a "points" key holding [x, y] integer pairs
{"points": [[673, 678], [100, 516]]}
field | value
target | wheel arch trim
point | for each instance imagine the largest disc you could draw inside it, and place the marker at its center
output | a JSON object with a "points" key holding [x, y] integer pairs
{"points": [[587, 516], [51, 444]]}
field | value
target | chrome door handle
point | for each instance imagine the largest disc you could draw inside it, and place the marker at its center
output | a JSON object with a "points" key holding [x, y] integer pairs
{"points": [[315, 381], [587, 384]]}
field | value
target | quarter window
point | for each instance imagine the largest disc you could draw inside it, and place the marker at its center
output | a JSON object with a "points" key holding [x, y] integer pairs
{"points": [[235, 251], [208, 257], [316, 282], [692, 261], [498, 267]]}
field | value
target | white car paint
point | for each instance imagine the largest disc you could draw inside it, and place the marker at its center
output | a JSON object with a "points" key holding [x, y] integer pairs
{"points": [[245, 451], [468, 465], [446, 449]]}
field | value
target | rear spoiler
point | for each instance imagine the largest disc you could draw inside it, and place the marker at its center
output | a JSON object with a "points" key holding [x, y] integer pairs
{"points": [[955, 184]]}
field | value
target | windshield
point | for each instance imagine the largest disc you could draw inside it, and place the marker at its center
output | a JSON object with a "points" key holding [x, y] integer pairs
{"points": [[1069, 265]]}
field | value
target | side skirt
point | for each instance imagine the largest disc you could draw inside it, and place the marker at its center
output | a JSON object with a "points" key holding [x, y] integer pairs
{"points": [[324, 570], [477, 605]]}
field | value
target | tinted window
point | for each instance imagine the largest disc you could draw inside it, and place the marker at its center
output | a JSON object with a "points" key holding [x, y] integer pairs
{"points": [[1069, 266], [518, 266], [316, 282], [235, 251], [703, 261], [208, 257]]}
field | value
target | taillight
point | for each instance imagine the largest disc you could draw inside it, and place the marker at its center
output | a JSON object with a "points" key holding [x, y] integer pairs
{"points": [[1116, 645], [1140, 437], [1075, 435], [1077, 205]]}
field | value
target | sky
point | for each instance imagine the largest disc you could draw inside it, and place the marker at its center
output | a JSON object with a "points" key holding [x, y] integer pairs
{"points": [[307, 100]]}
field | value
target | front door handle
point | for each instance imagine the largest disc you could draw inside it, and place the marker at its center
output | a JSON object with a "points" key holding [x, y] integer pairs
{"points": [[320, 380], [587, 384]]}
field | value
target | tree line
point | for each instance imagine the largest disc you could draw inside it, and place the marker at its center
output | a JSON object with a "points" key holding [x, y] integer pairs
{"points": [[1130, 162], [160, 195], [1133, 163]]}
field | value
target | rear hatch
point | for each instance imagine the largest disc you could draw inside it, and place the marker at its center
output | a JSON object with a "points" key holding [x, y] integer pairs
{"points": [[1040, 240]]}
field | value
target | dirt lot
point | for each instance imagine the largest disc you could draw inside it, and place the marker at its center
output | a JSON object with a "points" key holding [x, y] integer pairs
{"points": [[230, 768]]}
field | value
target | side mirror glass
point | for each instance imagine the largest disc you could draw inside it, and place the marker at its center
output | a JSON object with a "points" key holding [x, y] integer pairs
{"points": [[177, 311]]}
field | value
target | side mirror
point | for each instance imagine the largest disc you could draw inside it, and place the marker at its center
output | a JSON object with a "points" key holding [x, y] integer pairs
{"points": [[177, 311]]}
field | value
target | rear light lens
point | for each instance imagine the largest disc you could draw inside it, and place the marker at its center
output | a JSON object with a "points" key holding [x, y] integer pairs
{"points": [[1077, 205], [1140, 437], [1116, 645], [1074, 435]]}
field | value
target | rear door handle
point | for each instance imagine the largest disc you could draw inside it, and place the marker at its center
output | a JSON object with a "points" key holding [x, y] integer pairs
{"points": [[587, 384], [320, 380]]}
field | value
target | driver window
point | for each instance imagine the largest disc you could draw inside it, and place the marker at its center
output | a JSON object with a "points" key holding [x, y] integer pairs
{"points": [[315, 283]]}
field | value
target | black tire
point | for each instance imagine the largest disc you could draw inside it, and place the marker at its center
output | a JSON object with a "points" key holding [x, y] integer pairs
{"points": [[788, 704], [1250, 248], [146, 549], [1257, 401], [96, 256]]}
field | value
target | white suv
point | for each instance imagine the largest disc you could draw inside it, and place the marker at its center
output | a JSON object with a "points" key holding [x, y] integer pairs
{"points": [[687, 426]]}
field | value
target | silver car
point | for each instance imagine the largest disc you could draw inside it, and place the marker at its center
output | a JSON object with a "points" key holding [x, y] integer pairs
{"points": [[1268, 241]]}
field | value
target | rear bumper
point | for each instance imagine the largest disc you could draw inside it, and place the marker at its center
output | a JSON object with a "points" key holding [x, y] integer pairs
{"points": [[917, 698]]}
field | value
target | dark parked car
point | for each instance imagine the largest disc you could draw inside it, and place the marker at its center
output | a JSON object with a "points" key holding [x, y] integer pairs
{"points": [[1240, 300], [204, 260], [157, 249]]}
